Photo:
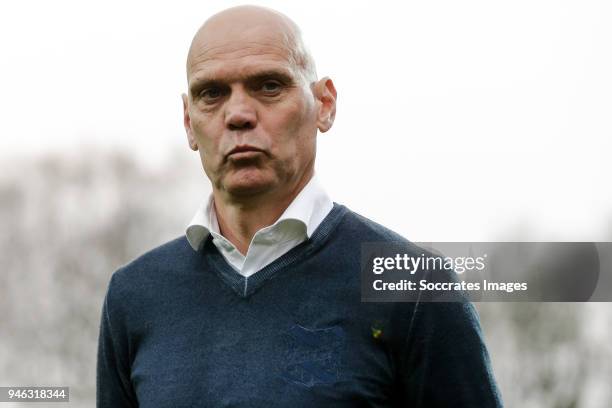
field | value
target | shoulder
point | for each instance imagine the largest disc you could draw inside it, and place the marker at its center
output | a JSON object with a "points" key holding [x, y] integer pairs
{"points": [[358, 230], [173, 255], [367, 229]]}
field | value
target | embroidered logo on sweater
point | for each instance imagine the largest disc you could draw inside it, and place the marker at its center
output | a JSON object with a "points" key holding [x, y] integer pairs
{"points": [[312, 356]]}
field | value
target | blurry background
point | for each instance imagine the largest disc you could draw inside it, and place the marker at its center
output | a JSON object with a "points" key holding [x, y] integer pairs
{"points": [[457, 121]]}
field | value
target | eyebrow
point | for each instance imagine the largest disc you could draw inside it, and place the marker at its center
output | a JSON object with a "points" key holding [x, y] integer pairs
{"points": [[254, 78]]}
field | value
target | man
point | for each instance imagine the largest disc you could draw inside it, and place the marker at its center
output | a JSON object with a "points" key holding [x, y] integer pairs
{"points": [[258, 305]]}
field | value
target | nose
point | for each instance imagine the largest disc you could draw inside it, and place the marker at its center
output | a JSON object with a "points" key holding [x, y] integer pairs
{"points": [[240, 114]]}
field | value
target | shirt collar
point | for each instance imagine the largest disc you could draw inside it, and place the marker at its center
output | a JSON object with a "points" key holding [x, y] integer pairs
{"points": [[309, 208]]}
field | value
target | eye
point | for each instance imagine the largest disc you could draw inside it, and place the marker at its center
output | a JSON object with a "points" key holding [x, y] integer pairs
{"points": [[271, 87], [210, 95]]}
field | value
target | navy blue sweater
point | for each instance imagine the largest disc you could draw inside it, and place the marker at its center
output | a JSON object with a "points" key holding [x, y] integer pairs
{"points": [[181, 328]]}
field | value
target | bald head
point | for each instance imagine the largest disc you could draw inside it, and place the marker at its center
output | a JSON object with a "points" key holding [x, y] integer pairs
{"points": [[254, 108], [239, 28]]}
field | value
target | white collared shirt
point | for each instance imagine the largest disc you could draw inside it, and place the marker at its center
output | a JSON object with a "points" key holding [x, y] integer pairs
{"points": [[294, 226]]}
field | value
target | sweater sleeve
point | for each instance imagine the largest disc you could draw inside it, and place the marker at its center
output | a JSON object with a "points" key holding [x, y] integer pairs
{"points": [[445, 361], [113, 385]]}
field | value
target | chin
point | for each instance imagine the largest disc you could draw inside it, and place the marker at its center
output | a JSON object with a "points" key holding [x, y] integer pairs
{"points": [[249, 184]]}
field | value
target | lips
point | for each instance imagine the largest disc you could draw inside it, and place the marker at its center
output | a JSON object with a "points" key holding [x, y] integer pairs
{"points": [[244, 149]]}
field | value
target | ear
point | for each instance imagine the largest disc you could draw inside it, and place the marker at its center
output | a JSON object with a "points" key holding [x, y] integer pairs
{"points": [[187, 123], [325, 94]]}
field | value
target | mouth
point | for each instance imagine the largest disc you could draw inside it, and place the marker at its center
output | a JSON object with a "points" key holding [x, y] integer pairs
{"points": [[243, 151]]}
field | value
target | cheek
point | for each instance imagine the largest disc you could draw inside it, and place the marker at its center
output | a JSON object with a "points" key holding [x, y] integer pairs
{"points": [[203, 127], [293, 127]]}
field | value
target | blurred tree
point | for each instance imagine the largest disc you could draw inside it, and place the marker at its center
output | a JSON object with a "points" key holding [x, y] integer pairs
{"points": [[68, 223]]}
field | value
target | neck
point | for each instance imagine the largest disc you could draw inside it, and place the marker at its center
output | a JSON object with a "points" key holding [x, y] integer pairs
{"points": [[240, 219]]}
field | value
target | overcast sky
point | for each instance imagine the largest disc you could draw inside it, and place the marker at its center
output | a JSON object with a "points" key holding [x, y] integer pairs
{"points": [[457, 120]]}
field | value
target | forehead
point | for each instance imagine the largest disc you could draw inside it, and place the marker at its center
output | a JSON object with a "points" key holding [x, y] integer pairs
{"points": [[231, 60]]}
